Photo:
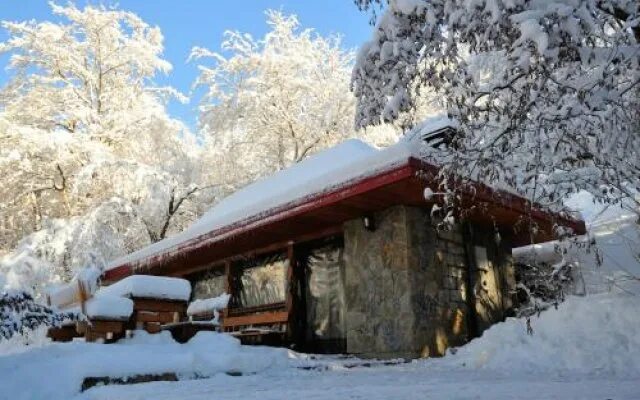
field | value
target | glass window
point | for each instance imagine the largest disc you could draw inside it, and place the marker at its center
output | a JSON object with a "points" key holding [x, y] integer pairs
{"points": [[261, 281], [211, 283], [325, 293]]}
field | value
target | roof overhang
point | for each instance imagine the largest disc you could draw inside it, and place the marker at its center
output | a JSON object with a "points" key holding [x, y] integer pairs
{"points": [[324, 213]]}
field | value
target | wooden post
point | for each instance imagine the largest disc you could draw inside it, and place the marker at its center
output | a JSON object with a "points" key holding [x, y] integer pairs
{"points": [[292, 290], [471, 277], [228, 288], [82, 293]]}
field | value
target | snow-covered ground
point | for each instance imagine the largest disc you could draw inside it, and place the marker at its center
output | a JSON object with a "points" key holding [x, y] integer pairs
{"points": [[589, 348], [399, 382]]}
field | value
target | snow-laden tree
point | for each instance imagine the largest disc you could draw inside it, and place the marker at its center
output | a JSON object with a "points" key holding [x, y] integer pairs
{"points": [[91, 73], [93, 166], [273, 101], [546, 92]]}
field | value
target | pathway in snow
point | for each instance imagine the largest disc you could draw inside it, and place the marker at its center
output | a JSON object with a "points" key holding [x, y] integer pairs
{"points": [[394, 382]]}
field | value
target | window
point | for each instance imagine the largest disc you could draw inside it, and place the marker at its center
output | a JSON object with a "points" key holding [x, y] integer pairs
{"points": [[261, 281], [211, 283]]}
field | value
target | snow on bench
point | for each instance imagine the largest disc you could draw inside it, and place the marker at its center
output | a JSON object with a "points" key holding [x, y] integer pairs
{"points": [[105, 307], [208, 306], [150, 287]]}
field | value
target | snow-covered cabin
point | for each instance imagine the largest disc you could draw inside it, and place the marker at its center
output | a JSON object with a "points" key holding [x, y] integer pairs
{"points": [[342, 252]]}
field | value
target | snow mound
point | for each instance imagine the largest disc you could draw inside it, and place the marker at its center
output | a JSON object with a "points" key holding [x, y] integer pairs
{"points": [[148, 286], [56, 371], [594, 335]]}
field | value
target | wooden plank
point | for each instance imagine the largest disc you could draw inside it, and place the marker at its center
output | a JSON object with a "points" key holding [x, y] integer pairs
{"points": [[292, 289], [265, 318], [279, 306], [140, 304], [164, 317], [63, 333], [228, 286], [105, 326], [152, 327], [90, 336]]}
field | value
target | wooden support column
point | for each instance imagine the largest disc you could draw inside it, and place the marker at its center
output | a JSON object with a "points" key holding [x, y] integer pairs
{"points": [[471, 276], [292, 295], [228, 287]]}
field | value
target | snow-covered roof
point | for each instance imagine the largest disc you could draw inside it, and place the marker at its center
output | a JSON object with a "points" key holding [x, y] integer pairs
{"points": [[326, 170], [431, 125]]}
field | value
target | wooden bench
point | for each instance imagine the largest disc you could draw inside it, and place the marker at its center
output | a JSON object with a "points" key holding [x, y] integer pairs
{"points": [[76, 296], [265, 325], [106, 331]]}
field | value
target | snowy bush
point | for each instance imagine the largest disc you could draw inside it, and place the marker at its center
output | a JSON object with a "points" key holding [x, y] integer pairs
{"points": [[542, 285], [20, 314]]}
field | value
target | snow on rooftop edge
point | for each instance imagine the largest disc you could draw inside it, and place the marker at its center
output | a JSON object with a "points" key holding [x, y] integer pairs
{"points": [[325, 170]]}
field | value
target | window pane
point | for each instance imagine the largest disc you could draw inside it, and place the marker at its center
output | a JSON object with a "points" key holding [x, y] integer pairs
{"points": [[209, 284], [262, 281], [325, 294]]}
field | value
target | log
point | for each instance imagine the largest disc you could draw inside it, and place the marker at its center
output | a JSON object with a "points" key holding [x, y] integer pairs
{"points": [[92, 381]]}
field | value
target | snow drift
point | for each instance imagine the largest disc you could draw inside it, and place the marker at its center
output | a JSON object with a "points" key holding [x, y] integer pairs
{"points": [[595, 335], [56, 371]]}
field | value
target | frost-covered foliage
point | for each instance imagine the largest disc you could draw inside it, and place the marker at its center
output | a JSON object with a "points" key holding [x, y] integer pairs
{"points": [[93, 167], [273, 101], [19, 314], [546, 92], [542, 285], [91, 74]]}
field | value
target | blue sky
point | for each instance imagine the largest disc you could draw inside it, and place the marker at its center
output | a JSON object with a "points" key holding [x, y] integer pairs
{"points": [[189, 23]]}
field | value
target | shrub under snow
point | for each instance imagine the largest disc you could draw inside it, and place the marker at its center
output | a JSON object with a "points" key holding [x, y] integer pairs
{"points": [[19, 314]]}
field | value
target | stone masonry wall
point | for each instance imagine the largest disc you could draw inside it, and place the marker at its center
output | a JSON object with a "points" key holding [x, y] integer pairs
{"points": [[380, 316], [406, 285], [440, 292]]}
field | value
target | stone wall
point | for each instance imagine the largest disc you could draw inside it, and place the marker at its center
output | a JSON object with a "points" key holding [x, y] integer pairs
{"points": [[440, 293], [407, 284], [380, 318]]}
